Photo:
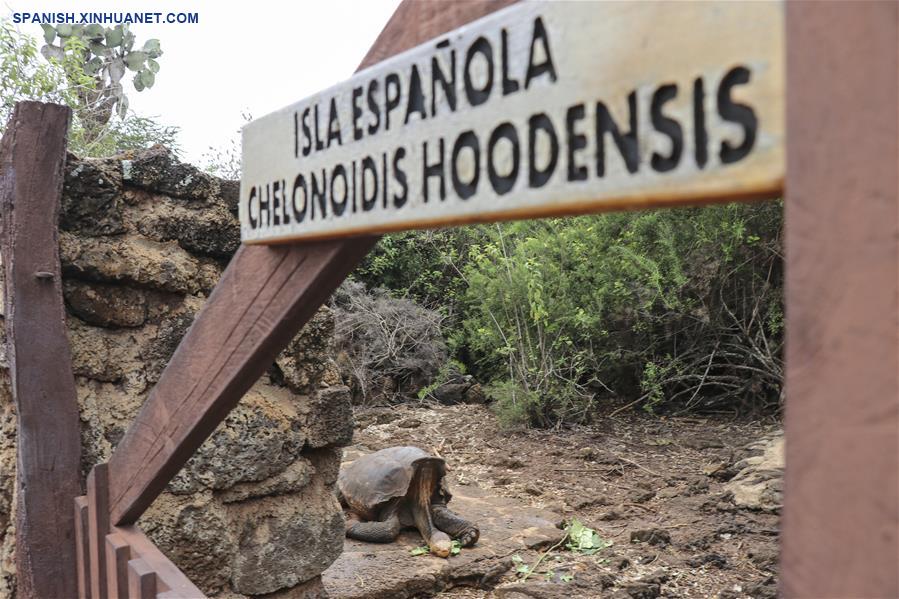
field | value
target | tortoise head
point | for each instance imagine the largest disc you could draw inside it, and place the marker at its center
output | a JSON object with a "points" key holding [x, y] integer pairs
{"points": [[425, 488]]}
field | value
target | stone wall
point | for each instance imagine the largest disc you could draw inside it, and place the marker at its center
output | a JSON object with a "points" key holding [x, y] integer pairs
{"points": [[143, 240]]}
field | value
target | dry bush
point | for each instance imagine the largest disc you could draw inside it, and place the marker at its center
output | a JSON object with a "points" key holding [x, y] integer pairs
{"points": [[388, 347]]}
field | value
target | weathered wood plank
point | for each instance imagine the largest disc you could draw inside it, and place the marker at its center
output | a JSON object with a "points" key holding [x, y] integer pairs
{"points": [[168, 578], [141, 580], [82, 548], [98, 527], [266, 294], [840, 533], [118, 553], [32, 158]]}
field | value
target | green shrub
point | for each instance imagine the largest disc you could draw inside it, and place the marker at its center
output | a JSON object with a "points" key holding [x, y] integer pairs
{"points": [[675, 308]]}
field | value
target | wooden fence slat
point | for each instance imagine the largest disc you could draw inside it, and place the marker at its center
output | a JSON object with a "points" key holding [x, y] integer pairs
{"points": [[82, 548], [32, 159], [141, 580], [117, 555], [168, 577], [98, 527], [840, 529]]}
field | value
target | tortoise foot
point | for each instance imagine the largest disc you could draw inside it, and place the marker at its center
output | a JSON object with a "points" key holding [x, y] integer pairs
{"points": [[468, 537], [456, 526]]}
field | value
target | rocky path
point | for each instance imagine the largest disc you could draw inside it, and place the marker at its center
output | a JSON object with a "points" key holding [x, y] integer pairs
{"points": [[690, 506]]}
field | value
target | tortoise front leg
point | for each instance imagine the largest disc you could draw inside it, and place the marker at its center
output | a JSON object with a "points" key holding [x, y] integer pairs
{"points": [[455, 525], [423, 483], [374, 532], [383, 530]]}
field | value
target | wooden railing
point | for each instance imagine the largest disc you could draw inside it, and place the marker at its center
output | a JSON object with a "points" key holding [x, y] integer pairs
{"points": [[119, 561]]}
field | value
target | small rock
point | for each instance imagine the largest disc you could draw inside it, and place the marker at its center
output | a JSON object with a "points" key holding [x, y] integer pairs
{"points": [[610, 515], [587, 453], [668, 493], [712, 559], [607, 581], [764, 558], [106, 305], [697, 485], [659, 576], [641, 496], [642, 590], [510, 462], [767, 589], [652, 536], [475, 395], [159, 170], [620, 563], [450, 393], [590, 502], [701, 443], [532, 489]]}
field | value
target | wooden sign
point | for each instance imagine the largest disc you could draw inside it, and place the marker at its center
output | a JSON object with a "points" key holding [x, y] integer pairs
{"points": [[539, 109]]}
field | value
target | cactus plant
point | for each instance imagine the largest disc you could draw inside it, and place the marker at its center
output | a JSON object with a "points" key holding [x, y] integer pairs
{"points": [[95, 59]]}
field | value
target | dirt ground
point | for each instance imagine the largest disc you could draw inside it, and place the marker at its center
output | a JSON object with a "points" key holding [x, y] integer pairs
{"points": [[652, 486]]}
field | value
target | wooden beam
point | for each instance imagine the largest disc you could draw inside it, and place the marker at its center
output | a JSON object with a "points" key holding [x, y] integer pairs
{"points": [[841, 515], [32, 159], [264, 297]]}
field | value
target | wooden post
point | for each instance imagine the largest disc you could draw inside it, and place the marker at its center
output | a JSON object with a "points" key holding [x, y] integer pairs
{"points": [[32, 158], [841, 514]]}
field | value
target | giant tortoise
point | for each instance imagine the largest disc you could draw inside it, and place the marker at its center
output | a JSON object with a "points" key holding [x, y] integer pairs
{"points": [[400, 487]]}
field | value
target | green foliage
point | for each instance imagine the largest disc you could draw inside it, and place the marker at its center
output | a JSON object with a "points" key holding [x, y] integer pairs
{"points": [[521, 567], [455, 549], [578, 539], [584, 540], [84, 67], [95, 59], [426, 266], [24, 75], [675, 307], [121, 135], [666, 309], [449, 369]]}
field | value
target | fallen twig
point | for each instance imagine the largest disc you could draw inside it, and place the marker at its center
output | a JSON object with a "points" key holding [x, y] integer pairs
{"points": [[633, 463], [543, 556]]}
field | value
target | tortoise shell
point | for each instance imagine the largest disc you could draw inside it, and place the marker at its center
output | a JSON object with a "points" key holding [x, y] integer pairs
{"points": [[374, 479]]}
